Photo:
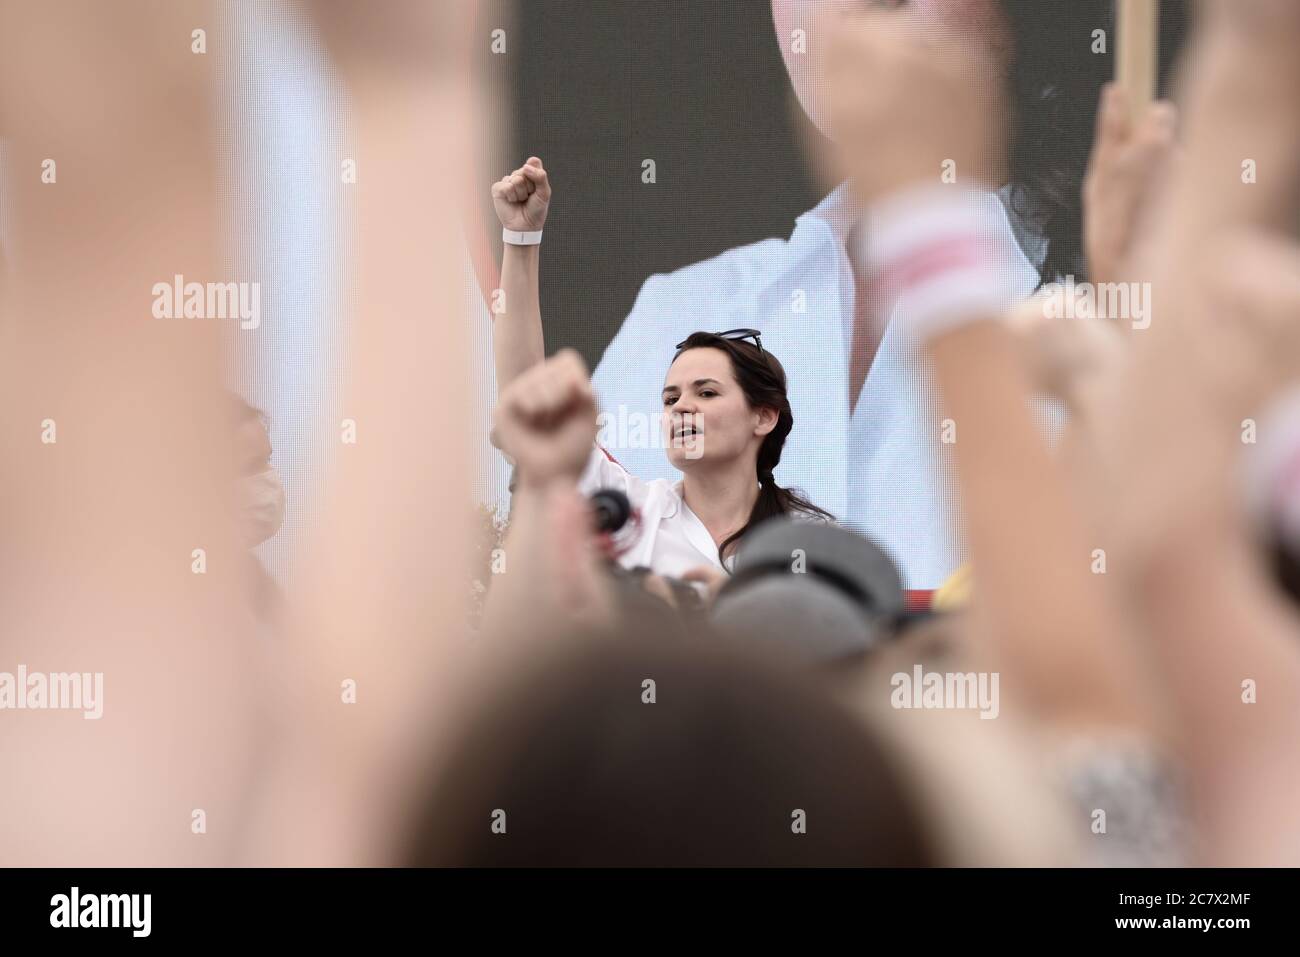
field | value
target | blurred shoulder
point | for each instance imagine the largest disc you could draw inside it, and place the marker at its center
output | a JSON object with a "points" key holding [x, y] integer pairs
{"points": [[701, 287]]}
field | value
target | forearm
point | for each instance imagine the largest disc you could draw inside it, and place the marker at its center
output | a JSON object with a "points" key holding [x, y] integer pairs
{"points": [[1224, 646], [517, 341], [1207, 364], [1218, 623], [1211, 615], [1042, 609], [554, 583]]}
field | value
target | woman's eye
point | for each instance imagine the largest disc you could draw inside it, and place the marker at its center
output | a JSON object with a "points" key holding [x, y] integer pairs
{"points": [[669, 400], [707, 394]]}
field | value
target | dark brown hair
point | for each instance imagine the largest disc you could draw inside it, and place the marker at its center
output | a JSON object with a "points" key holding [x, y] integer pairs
{"points": [[733, 754], [1055, 84]]}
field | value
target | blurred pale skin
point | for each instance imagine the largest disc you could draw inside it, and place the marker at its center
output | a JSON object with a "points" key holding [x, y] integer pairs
{"points": [[904, 97], [1130, 163], [201, 711], [979, 20], [1221, 341], [101, 525], [387, 578]]}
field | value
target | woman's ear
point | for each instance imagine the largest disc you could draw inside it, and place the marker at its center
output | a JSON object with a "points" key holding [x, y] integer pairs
{"points": [[765, 419]]}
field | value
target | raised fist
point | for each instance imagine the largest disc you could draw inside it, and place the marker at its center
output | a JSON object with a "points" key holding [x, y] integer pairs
{"points": [[1131, 161], [546, 419], [521, 198]]}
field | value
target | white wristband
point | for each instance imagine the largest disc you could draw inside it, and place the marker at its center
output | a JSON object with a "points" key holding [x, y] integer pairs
{"points": [[943, 250], [515, 238]]}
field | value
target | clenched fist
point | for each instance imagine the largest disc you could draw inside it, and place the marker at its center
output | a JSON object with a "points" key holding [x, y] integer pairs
{"points": [[521, 198], [1130, 161], [546, 420]]}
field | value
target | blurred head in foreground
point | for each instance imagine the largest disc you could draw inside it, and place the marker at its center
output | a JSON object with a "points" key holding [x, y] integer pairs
{"points": [[632, 753]]}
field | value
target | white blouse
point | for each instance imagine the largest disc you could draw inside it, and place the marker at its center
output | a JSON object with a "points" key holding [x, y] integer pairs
{"points": [[672, 540]]}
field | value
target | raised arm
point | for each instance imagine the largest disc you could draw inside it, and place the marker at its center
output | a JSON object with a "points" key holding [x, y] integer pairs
{"points": [[546, 422], [521, 199], [1223, 341], [1041, 614]]}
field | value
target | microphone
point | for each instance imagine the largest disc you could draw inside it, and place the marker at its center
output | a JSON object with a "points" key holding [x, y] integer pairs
{"points": [[617, 524], [611, 509], [822, 590]]}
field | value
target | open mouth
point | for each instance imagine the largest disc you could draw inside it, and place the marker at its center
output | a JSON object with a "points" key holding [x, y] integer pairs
{"points": [[687, 431]]}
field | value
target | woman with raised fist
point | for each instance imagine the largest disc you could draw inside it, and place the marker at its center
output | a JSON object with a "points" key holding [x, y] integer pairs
{"points": [[724, 421]]}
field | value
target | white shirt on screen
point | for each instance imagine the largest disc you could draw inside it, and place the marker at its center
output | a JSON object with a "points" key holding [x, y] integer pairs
{"points": [[881, 469], [671, 539]]}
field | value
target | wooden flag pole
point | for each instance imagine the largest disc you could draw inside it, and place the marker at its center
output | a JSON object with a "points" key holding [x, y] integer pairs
{"points": [[1138, 23]]}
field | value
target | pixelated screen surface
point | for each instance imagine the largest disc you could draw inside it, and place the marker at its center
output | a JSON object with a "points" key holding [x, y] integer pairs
{"points": [[692, 192]]}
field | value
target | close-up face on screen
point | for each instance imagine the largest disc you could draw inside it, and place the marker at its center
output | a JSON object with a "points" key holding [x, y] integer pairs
{"points": [[979, 21], [448, 436]]}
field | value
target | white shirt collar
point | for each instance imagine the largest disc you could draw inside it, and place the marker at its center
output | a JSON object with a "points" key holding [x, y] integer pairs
{"points": [[675, 500], [838, 211]]}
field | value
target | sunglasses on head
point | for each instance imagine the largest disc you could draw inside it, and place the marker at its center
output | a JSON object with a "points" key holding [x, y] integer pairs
{"points": [[733, 334]]}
